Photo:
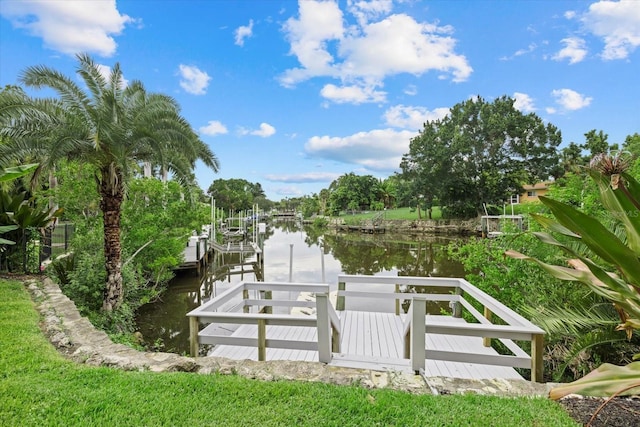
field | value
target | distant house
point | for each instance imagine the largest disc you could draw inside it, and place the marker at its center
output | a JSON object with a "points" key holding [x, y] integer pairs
{"points": [[531, 192]]}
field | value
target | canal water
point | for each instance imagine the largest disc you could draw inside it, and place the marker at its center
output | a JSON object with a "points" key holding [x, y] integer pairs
{"points": [[291, 249]]}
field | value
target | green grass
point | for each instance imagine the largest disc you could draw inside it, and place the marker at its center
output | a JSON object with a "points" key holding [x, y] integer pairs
{"points": [[393, 214], [38, 387]]}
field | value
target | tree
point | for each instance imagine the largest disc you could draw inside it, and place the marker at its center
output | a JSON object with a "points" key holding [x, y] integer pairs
{"points": [[113, 126], [236, 194], [571, 157], [353, 192], [480, 153], [596, 143], [387, 190], [632, 145]]}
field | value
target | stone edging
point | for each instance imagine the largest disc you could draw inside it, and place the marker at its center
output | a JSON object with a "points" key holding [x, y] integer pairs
{"points": [[75, 337]]}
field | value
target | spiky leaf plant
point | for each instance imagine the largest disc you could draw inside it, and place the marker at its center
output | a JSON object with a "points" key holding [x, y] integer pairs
{"points": [[619, 283]]}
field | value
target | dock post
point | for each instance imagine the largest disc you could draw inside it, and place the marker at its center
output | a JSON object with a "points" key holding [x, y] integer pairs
{"points": [[487, 315], [262, 340], [290, 262], [457, 306], [397, 301], [340, 299], [245, 297], [323, 325], [193, 336], [268, 309], [418, 332], [537, 366]]}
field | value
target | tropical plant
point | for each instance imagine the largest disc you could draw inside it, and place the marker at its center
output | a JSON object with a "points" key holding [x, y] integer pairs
{"points": [[112, 125], [9, 174], [620, 195]]}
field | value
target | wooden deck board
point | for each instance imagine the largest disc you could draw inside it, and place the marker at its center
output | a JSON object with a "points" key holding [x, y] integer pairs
{"points": [[372, 341]]}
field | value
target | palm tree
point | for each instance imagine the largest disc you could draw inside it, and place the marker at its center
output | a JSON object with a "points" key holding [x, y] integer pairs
{"points": [[114, 126]]}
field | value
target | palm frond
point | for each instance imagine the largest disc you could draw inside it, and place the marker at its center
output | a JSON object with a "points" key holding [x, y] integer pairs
{"points": [[586, 341], [573, 320]]}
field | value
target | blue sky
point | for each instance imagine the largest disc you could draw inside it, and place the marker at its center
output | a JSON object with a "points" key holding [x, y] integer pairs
{"points": [[293, 94]]}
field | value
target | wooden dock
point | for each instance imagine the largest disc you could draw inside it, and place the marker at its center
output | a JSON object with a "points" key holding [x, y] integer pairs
{"points": [[195, 254], [373, 341], [255, 327]]}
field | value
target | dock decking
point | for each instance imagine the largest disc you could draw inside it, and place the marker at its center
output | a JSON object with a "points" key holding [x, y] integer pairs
{"points": [[372, 341]]}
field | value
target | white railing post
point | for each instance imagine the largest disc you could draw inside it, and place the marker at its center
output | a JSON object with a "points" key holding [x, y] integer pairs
{"points": [[324, 327], [291, 262], [418, 334]]}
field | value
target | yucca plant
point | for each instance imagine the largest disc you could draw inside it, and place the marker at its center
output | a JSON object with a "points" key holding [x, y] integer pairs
{"points": [[620, 195]]}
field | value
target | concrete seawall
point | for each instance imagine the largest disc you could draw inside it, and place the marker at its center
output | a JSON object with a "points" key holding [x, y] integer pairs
{"points": [[424, 226]]}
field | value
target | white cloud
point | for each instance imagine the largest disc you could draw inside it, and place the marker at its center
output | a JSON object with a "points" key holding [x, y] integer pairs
{"points": [[570, 100], [574, 50], [618, 24], [377, 150], [520, 52], [411, 90], [213, 128], [265, 131], [244, 32], [523, 102], [366, 10], [319, 23], [352, 94], [70, 27], [304, 177], [364, 54], [414, 118], [399, 44], [193, 80], [570, 14], [289, 191]]}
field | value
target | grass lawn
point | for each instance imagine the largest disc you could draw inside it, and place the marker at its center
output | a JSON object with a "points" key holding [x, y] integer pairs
{"points": [[391, 214], [38, 387]]}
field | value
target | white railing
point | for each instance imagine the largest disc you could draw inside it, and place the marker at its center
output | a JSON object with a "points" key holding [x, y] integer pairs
{"points": [[221, 310], [417, 324]]}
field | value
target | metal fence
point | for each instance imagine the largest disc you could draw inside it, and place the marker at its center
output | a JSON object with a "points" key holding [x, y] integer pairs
{"points": [[55, 241]]}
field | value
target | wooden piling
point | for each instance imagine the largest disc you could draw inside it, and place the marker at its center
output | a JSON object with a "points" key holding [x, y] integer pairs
{"points": [[487, 315], [194, 326]]}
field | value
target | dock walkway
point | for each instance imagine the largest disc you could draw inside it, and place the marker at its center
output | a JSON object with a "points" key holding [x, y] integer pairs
{"points": [[373, 341]]}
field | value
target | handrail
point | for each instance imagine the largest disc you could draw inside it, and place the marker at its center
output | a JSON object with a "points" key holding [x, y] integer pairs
{"points": [[326, 320], [416, 324]]}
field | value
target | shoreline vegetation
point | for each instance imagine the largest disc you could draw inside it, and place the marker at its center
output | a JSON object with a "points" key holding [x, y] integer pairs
{"points": [[40, 387]]}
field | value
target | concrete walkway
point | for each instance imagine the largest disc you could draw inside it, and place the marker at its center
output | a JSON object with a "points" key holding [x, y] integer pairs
{"points": [[75, 337]]}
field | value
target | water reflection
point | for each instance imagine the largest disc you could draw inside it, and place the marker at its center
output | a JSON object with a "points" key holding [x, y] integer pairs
{"points": [[165, 325]]}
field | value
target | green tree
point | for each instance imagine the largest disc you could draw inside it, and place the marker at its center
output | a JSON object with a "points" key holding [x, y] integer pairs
{"points": [[480, 153], [596, 143], [235, 194], [571, 157], [310, 205], [387, 190], [111, 125], [632, 145], [353, 192]]}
